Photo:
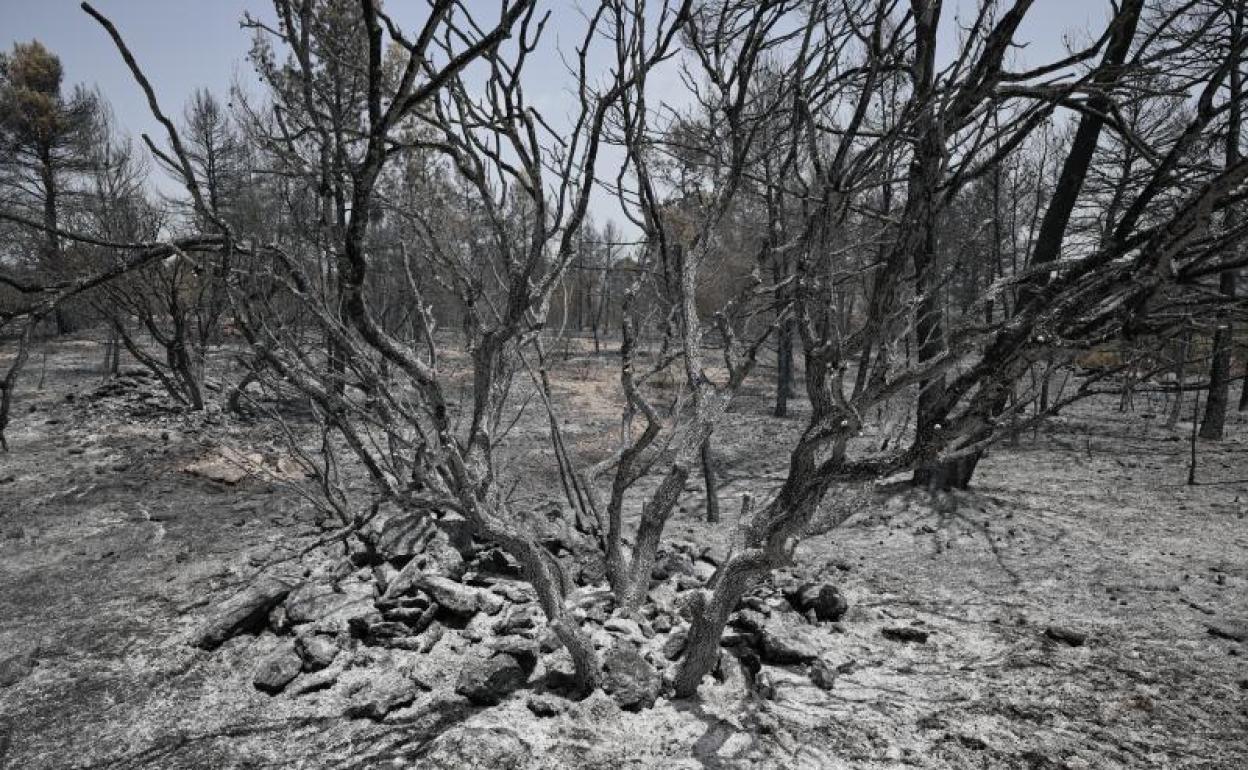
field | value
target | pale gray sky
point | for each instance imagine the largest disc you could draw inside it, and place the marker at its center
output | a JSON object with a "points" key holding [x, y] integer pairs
{"points": [[187, 44]]}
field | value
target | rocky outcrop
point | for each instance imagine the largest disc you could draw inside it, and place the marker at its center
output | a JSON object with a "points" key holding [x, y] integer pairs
{"points": [[245, 611]]}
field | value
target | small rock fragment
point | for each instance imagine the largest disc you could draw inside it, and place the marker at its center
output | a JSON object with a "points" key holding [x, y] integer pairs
{"points": [[245, 611], [277, 669], [316, 652], [1066, 635], [546, 704], [906, 634], [486, 681], [630, 680], [822, 675]]}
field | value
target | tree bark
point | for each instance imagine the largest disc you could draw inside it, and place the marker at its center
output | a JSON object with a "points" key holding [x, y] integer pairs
{"points": [[710, 482], [1214, 423]]}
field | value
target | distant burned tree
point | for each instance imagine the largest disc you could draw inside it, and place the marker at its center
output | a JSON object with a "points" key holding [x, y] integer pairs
{"points": [[43, 142]]}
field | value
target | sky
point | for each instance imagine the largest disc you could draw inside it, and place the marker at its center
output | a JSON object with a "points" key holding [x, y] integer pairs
{"points": [[187, 44]]}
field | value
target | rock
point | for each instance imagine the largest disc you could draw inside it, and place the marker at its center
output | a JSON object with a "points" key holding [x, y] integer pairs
{"points": [[394, 690], [495, 746], [447, 564], [629, 679], [316, 652], [824, 599], [311, 602], [906, 634], [401, 535], [765, 686], [1232, 630], [734, 637], [16, 667], [750, 621], [440, 558], [317, 680], [548, 640], [245, 611], [525, 651], [671, 564], [1066, 635], [496, 561], [373, 630], [222, 469], [591, 571], [675, 643], [517, 620], [626, 627], [458, 531], [486, 681], [560, 673], [703, 570], [731, 670], [339, 620], [277, 669], [783, 643], [430, 638], [454, 597], [514, 591], [822, 675], [546, 704], [279, 623], [383, 575]]}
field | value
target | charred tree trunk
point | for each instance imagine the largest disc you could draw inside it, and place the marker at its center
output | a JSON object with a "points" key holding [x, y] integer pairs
{"points": [[1214, 423], [710, 482]]}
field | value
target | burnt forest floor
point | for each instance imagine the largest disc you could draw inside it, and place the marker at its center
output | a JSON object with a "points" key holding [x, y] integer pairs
{"points": [[111, 554]]}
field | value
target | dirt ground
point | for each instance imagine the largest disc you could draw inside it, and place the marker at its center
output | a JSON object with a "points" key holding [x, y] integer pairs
{"points": [[110, 553]]}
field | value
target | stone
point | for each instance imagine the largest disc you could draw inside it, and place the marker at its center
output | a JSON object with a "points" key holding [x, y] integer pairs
{"points": [[822, 675], [493, 746], [675, 643], [245, 611], [630, 681], [339, 620], [16, 667], [486, 681], [906, 634], [454, 597], [279, 623], [626, 627], [383, 575], [750, 621], [517, 620], [401, 535], [394, 690], [514, 591], [546, 704], [432, 635], [1231, 630], [277, 669], [765, 686], [373, 630], [496, 561], [525, 651], [824, 599], [317, 680], [1066, 635], [311, 602], [703, 570], [784, 643], [671, 564], [316, 652]]}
